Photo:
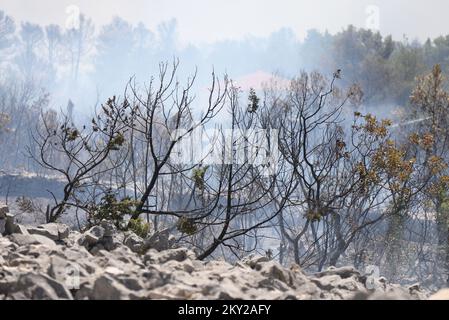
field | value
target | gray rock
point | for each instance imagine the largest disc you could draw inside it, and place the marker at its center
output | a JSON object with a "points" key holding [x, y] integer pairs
{"points": [[3, 211], [376, 284], [344, 272], [54, 231], [160, 241], [33, 286], [92, 236], [440, 295], [273, 270], [110, 243], [328, 282], [106, 263], [134, 242], [253, 261], [104, 237], [44, 240], [2, 226], [6, 245], [64, 270], [95, 250], [107, 288], [181, 254], [109, 228], [25, 240], [21, 230], [392, 294], [10, 224], [414, 288]]}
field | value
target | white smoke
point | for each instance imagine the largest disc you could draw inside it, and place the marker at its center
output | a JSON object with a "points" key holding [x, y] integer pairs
{"points": [[408, 123]]}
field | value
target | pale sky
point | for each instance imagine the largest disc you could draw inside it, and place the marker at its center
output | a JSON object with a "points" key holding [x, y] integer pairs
{"points": [[201, 21]]}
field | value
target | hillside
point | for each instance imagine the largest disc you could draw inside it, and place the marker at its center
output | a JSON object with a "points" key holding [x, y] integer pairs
{"points": [[52, 262]]}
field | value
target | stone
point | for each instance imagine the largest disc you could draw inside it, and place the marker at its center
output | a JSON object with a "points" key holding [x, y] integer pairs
{"points": [[2, 226], [373, 283], [92, 236], [24, 240], [103, 237], [179, 255], [343, 272], [134, 242], [273, 270], [54, 231], [130, 282], [440, 295], [3, 211], [63, 270], [114, 271], [34, 286], [328, 282], [392, 295], [107, 288], [254, 260], [414, 288], [106, 263], [6, 245], [110, 243], [160, 241], [109, 228], [96, 250], [21, 230], [10, 224]]}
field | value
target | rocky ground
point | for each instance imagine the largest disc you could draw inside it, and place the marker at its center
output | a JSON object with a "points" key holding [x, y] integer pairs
{"points": [[53, 262]]}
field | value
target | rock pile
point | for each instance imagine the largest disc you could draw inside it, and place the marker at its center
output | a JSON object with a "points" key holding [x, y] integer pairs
{"points": [[52, 262]]}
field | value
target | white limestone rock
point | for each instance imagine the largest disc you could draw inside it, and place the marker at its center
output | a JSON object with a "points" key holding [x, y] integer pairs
{"points": [[53, 231]]}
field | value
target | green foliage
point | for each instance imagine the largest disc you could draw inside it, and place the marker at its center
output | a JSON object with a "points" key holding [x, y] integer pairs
{"points": [[139, 227], [198, 177], [116, 211], [187, 226], [113, 210], [314, 215], [116, 142], [385, 68], [445, 203], [72, 134], [253, 100]]}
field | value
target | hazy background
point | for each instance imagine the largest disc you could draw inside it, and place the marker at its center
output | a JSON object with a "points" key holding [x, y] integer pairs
{"points": [[249, 40], [203, 21]]}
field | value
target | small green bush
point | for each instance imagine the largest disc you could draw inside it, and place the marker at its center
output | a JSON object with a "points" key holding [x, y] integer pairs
{"points": [[198, 177], [139, 227], [112, 209], [187, 226]]}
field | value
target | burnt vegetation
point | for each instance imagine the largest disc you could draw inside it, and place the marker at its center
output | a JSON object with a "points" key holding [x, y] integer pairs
{"points": [[302, 172]]}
